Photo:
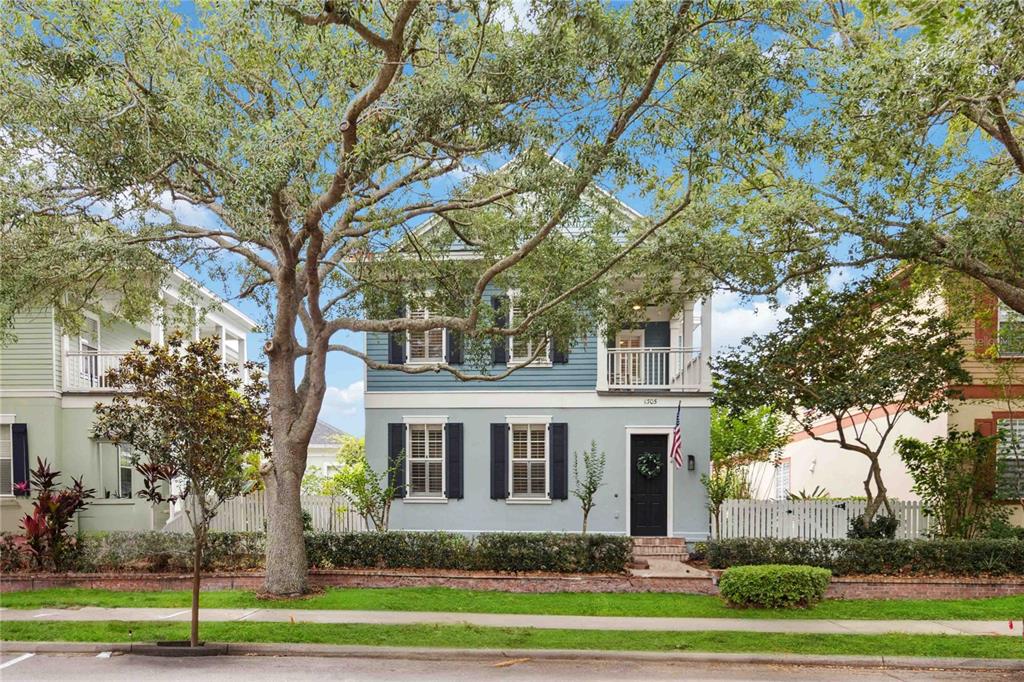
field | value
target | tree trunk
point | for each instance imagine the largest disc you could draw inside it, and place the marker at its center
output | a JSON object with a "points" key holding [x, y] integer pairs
{"points": [[586, 513], [877, 499], [287, 570], [198, 539]]}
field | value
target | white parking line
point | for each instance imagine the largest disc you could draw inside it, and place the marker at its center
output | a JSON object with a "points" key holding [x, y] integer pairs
{"points": [[42, 615], [19, 659], [104, 654], [171, 615]]}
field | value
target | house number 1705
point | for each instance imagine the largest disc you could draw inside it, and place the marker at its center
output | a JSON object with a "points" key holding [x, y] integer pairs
{"points": [[650, 401]]}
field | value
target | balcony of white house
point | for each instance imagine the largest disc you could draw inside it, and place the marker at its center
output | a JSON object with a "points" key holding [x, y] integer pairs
{"points": [[99, 348], [669, 353]]}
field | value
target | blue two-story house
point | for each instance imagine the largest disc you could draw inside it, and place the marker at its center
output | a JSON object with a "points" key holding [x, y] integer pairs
{"points": [[498, 456]]}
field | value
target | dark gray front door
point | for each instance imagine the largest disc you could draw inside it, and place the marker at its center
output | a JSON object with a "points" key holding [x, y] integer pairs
{"points": [[648, 497]]}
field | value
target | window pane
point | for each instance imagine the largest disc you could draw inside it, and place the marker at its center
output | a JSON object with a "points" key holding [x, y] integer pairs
{"points": [[434, 486], [418, 477], [434, 434], [537, 482], [126, 482], [6, 460], [520, 481], [418, 445], [520, 434], [537, 435], [1010, 452], [1010, 331]]}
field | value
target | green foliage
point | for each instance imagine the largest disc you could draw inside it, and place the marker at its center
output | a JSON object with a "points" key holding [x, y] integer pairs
{"points": [[954, 478], [755, 435], [878, 349], [367, 492], [555, 552], [774, 586], [391, 549], [723, 484], [888, 557], [880, 527], [818, 493], [47, 540], [587, 484]]}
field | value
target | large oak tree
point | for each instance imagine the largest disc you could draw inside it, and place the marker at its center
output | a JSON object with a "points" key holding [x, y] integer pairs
{"points": [[290, 149]]}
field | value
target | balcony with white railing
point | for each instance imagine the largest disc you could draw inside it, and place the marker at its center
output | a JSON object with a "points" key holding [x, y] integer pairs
{"points": [[86, 371], [654, 369]]}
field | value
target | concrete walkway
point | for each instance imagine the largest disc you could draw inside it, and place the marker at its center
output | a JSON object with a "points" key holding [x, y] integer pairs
{"points": [[840, 627]]}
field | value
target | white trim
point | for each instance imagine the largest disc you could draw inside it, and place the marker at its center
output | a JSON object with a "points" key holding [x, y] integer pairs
{"points": [[28, 393], [528, 419], [426, 346], [424, 500], [508, 399], [540, 360], [8, 418], [669, 471], [425, 419], [527, 500]]}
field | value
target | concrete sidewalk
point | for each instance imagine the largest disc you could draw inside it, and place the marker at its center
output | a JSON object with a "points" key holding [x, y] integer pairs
{"points": [[806, 626]]}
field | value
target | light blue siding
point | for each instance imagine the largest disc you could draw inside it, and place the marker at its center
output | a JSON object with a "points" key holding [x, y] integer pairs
{"points": [[580, 373]]}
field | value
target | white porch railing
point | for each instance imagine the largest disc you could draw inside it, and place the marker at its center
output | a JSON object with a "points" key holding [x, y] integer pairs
{"points": [[809, 519], [654, 368], [87, 370], [249, 513]]}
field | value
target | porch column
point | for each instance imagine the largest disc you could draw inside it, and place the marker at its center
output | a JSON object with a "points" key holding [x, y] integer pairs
{"points": [[602, 358], [705, 343]]}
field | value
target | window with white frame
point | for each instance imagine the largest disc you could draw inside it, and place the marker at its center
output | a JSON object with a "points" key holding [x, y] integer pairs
{"points": [[89, 346], [6, 460], [1009, 332], [528, 461], [425, 474], [426, 346], [124, 471], [782, 480], [522, 348], [1010, 458]]}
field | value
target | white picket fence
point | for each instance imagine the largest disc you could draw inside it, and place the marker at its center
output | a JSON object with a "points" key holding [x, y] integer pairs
{"points": [[808, 519], [249, 513]]}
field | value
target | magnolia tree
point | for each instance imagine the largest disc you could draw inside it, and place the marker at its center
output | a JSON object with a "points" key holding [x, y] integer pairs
{"points": [[855, 361], [292, 150], [191, 421]]}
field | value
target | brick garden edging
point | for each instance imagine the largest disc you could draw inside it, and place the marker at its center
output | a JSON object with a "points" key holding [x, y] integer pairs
{"points": [[860, 587]]}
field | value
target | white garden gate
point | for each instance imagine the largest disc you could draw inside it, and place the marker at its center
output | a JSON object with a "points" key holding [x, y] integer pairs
{"points": [[808, 519]]}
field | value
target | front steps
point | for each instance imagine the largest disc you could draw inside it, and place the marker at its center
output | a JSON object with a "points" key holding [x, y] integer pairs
{"points": [[648, 549]]}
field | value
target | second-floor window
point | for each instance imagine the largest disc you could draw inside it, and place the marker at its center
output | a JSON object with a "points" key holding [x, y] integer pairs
{"points": [[426, 346], [522, 348], [124, 471], [529, 461], [782, 480], [426, 460], [1010, 458], [1010, 332]]}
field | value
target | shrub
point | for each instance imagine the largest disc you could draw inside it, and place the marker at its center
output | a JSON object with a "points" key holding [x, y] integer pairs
{"points": [[774, 586], [557, 552], [880, 527], [393, 549], [155, 551], [871, 556]]}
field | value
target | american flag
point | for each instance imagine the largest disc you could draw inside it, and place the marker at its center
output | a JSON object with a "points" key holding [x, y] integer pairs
{"points": [[676, 451]]}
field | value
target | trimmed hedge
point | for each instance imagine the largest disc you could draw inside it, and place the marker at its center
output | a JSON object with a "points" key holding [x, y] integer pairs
{"points": [[774, 586], [154, 551], [885, 557]]}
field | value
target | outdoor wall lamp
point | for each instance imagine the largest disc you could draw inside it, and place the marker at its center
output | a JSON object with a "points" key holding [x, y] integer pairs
{"points": [[691, 463]]}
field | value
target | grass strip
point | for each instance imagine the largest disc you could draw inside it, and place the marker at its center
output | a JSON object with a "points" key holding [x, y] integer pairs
{"points": [[561, 603], [466, 636]]}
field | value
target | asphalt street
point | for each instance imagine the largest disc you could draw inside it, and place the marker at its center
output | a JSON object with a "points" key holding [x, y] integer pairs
{"points": [[81, 668]]}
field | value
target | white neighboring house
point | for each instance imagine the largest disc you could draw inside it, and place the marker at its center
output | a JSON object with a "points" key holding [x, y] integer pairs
{"points": [[323, 447]]}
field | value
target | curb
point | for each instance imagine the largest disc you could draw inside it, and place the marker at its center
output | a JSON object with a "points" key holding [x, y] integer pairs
{"points": [[421, 653]]}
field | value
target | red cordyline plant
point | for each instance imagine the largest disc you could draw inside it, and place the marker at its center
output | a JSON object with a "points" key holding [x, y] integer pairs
{"points": [[47, 540]]}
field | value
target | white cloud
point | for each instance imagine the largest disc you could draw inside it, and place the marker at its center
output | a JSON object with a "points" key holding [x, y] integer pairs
{"points": [[733, 317], [340, 402], [516, 15]]}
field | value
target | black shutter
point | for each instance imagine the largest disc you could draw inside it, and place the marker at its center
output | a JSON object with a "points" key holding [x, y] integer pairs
{"points": [[559, 351], [499, 461], [560, 461], [453, 464], [453, 353], [19, 436], [396, 343], [499, 353], [396, 458]]}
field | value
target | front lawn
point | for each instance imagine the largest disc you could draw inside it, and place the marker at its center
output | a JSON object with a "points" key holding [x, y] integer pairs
{"points": [[562, 603], [471, 637]]}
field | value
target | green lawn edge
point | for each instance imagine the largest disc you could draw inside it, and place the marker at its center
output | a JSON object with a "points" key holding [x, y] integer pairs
{"points": [[644, 604], [472, 637]]}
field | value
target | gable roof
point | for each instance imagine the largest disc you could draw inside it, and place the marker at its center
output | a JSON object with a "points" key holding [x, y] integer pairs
{"points": [[325, 435]]}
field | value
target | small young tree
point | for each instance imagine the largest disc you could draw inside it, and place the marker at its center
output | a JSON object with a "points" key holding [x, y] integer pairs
{"points": [[590, 480], [191, 423], [368, 493], [856, 360], [954, 480], [740, 440], [723, 484]]}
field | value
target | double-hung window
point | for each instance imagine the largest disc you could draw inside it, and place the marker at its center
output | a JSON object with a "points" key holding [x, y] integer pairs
{"points": [[426, 346], [6, 460], [522, 347], [124, 471], [528, 460], [1009, 332], [1010, 458], [782, 480], [425, 461]]}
